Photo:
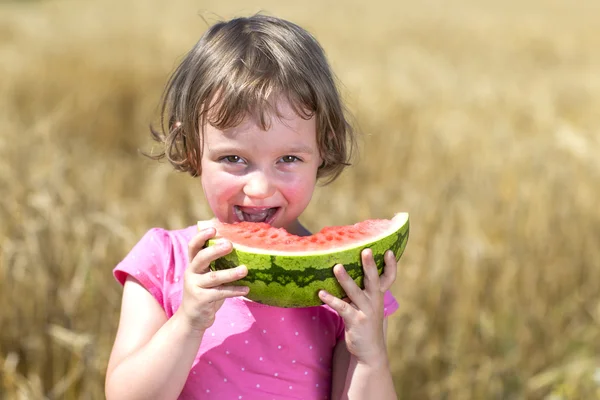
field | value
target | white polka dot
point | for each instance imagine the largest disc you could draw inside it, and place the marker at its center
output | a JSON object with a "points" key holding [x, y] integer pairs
{"points": [[224, 379], [296, 333], [137, 272], [290, 388], [260, 358], [176, 279], [276, 374], [157, 275], [385, 309], [249, 314], [258, 385], [282, 318], [305, 372], [279, 347], [264, 331], [207, 390], [233, 323], [310, 347], [243, 369], [314, 318], [227, 352], [194, 372], [239, 397], [245, 341], [293, 361], [210, 362], [212, 334], [317, 385]]}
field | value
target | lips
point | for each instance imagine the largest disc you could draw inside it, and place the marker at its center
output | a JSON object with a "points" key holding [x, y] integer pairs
{"points": [[255, 214]]}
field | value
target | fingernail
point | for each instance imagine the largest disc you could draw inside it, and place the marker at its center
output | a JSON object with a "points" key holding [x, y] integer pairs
{"points": [[222, 243], [241, 270]]}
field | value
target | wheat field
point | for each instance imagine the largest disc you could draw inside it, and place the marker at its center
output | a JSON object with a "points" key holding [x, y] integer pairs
{"points": [[479, 118]]}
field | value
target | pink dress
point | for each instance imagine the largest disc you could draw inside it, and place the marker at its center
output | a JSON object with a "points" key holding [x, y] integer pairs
{"points": [[252, 351]]}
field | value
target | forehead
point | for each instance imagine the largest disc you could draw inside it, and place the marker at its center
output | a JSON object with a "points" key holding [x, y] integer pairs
{"points": [[282, 123]]}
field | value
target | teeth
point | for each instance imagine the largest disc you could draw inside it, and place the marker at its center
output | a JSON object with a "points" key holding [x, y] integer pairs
{"points": [[255, 216], [238, 213], [258, 217]]}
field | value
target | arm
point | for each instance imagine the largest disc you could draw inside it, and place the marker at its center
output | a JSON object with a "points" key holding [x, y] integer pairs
{"points": [[145, 336], [360, 362], [355, 380], [152, 355]]}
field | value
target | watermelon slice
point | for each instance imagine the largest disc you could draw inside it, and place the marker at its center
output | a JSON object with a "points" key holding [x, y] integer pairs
{"points": [[286, 270]]}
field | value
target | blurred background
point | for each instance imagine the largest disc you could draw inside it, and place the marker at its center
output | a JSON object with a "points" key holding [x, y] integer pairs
{"points": [[480, 118]]}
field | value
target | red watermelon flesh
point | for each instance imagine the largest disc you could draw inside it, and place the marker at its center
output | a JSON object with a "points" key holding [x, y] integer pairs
{"points": [[260, 235]]}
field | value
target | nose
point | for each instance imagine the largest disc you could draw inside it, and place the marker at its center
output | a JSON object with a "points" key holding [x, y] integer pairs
{"points": [[259, 185]]}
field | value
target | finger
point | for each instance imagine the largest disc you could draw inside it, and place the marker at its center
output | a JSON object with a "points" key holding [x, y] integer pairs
{"points": [[198, 241], [343, 308], [201, 261], [225, 292], [213, 279], [389, 271], [371, 279], [354, 293]]}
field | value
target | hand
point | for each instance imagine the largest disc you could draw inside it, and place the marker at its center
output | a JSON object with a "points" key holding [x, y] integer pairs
{"points": [[204, 291], [363, 317]]}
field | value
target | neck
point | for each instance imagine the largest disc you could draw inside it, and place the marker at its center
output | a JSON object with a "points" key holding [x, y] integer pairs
{"points": [[296, 228]]}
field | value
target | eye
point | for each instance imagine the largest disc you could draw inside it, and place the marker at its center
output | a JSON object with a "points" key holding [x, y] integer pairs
{"points": [[232, 159], [289, 159]]}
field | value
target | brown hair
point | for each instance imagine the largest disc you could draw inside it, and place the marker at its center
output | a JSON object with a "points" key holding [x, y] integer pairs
{"points": [[233, 71]]}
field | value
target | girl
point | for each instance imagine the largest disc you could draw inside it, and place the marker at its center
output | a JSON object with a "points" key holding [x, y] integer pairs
{"points": [[254, 112]]}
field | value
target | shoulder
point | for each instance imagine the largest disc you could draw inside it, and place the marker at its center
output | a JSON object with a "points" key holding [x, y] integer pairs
{"points": [[155, 250], [157, 261]]}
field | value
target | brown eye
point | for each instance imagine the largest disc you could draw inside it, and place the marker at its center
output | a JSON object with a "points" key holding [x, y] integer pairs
{"points": [[232, 159], [289, 159]]}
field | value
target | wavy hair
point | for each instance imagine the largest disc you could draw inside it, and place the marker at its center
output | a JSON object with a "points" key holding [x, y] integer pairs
{"points": [[233, 71]]}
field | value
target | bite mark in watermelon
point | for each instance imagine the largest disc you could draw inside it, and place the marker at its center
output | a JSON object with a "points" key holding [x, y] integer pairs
{"points": [[286, 270]]}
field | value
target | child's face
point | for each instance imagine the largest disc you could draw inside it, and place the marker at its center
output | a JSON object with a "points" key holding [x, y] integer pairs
{"points": [[263, 176]]}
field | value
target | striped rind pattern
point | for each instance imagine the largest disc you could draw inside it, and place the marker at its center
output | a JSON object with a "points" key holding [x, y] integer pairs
{"points": [[295, 280]]}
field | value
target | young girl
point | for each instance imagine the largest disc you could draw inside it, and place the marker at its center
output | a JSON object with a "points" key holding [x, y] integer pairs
{"points": [[254, 112]]}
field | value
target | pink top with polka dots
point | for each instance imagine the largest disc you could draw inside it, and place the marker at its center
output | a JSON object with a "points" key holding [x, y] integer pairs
{"points": [[252, 351]]}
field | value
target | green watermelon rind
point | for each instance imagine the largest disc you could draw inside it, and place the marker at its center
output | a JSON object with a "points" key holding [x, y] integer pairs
{"points": [[294, 280]]}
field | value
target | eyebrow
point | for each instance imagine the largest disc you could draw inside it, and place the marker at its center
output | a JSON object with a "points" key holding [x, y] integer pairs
{"points": [[225, 148], [300, 148]]}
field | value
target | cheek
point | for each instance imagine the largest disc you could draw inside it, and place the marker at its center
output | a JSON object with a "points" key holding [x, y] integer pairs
{"points": [[218, 186], [299, 190]]}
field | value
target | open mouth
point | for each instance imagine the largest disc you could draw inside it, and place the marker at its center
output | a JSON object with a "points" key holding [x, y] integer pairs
{"points": [[255, 214]]}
